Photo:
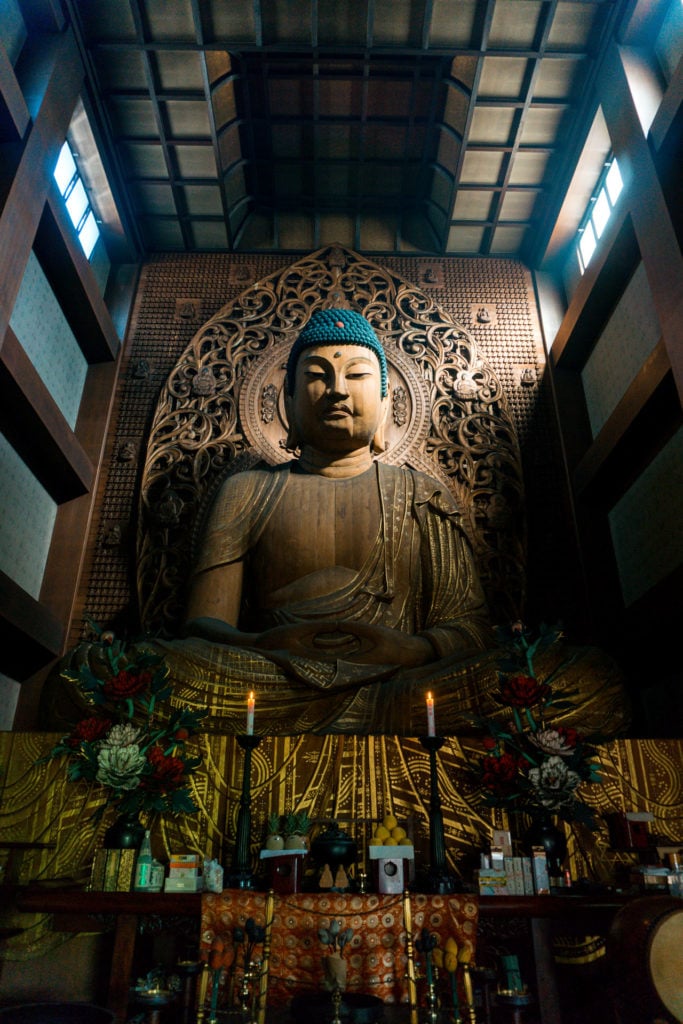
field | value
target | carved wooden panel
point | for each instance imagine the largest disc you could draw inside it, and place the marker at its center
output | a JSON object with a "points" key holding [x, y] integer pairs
{"points": [[222, 410]]}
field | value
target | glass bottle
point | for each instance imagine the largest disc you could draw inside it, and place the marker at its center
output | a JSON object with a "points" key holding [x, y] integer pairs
{"points": [[143, 868]]}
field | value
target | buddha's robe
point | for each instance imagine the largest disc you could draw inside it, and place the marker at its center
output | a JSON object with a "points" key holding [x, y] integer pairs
{"points": [[414, 572]]}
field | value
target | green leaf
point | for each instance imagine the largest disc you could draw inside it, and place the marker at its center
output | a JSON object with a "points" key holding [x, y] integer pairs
{"points": [[182, 802]]}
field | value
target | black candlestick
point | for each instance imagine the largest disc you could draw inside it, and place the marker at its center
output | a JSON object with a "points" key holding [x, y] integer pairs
{"points": [[438, 879], [240, 875]]}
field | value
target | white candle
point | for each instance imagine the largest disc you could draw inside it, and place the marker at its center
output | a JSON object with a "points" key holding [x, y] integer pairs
{"points": [[431, 725], [251, 702]]}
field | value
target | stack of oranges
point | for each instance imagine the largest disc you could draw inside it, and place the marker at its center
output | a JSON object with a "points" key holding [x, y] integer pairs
{"points": [[389, 833]]}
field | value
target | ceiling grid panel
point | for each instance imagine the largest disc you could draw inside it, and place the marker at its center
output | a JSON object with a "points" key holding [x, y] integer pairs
{"points": [[432, 126]]}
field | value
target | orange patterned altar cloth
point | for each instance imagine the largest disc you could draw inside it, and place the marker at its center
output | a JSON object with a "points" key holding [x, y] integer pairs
{"points": [[377, 958]]}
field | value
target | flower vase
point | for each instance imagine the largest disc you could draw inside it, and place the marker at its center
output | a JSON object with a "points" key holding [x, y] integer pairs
{"points": [[544, 832], [125, 833], [335, 972]]}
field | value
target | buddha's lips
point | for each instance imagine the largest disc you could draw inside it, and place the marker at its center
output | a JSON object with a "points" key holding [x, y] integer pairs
{"points": [[337, 410]]}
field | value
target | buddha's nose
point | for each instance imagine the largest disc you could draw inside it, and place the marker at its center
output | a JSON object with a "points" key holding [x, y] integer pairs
{"points": [[338, 386]]}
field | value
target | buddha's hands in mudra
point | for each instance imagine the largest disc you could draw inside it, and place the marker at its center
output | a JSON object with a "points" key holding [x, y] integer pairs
{"points": [[356, 642]]}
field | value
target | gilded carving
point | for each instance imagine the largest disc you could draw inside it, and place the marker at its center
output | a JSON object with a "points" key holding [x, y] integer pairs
{"points": [[399, 405], [268, 403]]}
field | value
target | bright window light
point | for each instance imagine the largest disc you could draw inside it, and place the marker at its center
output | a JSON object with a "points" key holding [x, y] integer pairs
{"points": [[76, 199], [65, 169], [89, 234], [587, 244], [614, 182], [601, 212], [77, 203]]}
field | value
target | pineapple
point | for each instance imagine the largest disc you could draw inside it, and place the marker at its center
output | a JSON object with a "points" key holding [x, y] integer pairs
{"points": [[274, 839]]}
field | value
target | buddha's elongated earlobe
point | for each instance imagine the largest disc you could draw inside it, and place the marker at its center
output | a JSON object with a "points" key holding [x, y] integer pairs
{"points": [[379, 440], [292, 441]]}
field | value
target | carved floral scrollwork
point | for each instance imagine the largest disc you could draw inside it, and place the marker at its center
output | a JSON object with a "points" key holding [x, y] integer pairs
{"points": [[449, 418]]}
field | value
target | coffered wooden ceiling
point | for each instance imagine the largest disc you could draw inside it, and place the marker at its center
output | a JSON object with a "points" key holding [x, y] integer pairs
{"points": [[430, 126]]}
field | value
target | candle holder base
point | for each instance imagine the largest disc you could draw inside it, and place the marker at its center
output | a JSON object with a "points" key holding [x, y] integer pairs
{"points": [[240, 874], [436, 878], [240, 880], [437, 884]]}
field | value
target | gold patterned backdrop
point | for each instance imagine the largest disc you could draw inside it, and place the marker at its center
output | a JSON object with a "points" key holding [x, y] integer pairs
{"points": [[353, 779]]}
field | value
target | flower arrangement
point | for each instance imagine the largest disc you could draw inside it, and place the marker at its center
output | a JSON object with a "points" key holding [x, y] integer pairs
{"points": [[334, 965], [335, 938], [455, 960], [530, 764], [135, 754]]}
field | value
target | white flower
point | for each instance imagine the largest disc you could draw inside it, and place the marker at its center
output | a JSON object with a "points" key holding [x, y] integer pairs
{"points": [[121, 736], [553, 782], [120, 767]]}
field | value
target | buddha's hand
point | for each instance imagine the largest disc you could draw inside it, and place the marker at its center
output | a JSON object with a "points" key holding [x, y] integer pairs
{"points": [[218, 631], [357, 642]]}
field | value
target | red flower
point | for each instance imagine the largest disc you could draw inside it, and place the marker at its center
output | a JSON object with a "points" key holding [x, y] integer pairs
{"points": [[499, 774], [489, 743], [523, 691], [182, 734], [89, 729], [167, 770], [569, 735], [126, 684]]}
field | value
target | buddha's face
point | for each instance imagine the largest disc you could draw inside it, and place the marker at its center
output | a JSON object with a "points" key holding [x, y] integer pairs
{"points": [[337, 404]]}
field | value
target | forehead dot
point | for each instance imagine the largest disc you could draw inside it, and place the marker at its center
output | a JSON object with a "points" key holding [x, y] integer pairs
{"points": [[337, 355], [339, 323]]}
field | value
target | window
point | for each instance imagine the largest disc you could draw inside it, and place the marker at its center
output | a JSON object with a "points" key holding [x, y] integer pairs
{"points": [[599, 211], [78, 206]]}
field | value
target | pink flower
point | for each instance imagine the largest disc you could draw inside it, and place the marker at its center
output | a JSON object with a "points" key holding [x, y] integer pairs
{"points": [[560, 740]]}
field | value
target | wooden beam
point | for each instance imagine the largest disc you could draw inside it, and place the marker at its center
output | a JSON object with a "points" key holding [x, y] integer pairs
{"points": [[14, 114], [72, 280], [72, 537], [42, 15], [30, 636], [654, 228], [35, 427], [644, 418], [597, 294], [31, 170]]}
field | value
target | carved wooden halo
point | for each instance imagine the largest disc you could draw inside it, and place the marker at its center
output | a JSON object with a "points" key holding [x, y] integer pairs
{"points": [[222, 411]]}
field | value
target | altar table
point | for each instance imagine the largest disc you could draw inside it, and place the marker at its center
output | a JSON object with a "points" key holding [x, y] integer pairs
{"points": [[377, 956], [591, 913]]}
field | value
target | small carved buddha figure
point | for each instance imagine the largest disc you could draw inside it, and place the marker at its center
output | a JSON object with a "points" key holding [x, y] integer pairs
{"points": [[335, 556]]}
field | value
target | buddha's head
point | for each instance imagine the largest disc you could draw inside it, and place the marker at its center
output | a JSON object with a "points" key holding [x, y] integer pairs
{"points": [[337, 385]]}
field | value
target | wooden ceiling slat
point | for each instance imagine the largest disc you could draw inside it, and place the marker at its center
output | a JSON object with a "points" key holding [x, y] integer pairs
{"points": [[402, 82]]}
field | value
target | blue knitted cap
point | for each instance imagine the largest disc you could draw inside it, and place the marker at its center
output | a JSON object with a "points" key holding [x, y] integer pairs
{"points": [[337, 327]]}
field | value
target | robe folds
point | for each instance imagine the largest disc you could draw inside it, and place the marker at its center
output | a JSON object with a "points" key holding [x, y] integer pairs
{"points": [[418, 577]]}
